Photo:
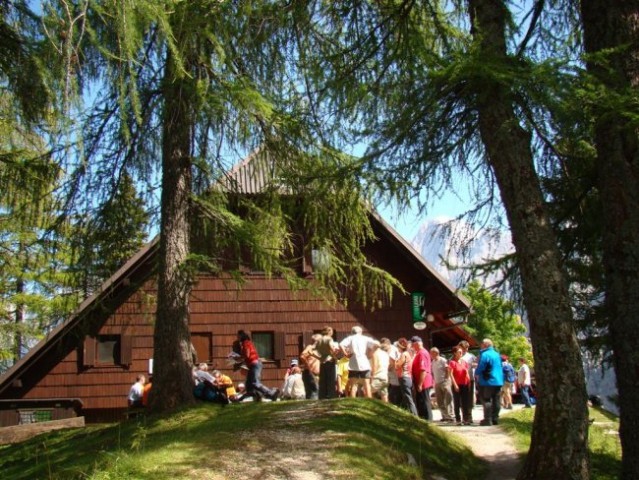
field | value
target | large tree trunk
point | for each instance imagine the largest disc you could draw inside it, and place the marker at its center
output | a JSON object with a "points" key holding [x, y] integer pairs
{"points": [[19, 321], [172, 382], [613, 26], [560, 431]]}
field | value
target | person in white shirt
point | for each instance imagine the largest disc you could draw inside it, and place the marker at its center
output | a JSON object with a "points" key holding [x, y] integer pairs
{"points": [[524, 381], [471, 361], [293, 388], [135, 393], [356, 347]]}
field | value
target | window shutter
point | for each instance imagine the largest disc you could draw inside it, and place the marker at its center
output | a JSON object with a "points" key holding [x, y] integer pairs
{"points": [[279, 346], [126, 350], [88, 352]]}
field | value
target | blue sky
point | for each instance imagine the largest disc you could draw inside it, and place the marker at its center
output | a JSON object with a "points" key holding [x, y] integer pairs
{"points": [[407, 224]]}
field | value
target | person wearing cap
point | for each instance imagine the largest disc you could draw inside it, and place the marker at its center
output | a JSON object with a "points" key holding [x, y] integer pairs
{"points": [[356, 347], [490, 377], [422, 379], [294, 363], [293, 388]]}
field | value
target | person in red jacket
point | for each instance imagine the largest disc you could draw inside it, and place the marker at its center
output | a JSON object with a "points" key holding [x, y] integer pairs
{"points": [[252, 360], [422, 379]]}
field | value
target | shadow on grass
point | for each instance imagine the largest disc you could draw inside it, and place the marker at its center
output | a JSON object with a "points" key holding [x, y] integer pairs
{"points": [[603, 441], [367, 439]]}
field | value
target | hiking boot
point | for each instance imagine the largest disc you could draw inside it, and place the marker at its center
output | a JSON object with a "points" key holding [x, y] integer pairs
{"points": [[486, 423], [276, 395]]}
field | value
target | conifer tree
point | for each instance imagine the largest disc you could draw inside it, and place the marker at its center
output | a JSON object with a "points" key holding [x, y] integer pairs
{"points": [[611, 41], [182, 82], [439, 89]]}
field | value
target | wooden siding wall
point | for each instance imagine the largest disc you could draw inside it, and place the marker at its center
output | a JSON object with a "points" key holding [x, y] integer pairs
{"points": [[219, 308]]}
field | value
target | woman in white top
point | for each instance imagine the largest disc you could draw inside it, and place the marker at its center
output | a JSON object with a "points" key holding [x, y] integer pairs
{"points": [[403, 368]]}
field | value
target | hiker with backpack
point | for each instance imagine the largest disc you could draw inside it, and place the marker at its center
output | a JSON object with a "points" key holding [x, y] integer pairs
{"points": [[510, 377]]}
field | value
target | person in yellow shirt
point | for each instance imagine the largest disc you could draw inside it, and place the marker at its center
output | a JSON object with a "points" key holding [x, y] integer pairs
{"points": [[342, 376], [224, 383]]}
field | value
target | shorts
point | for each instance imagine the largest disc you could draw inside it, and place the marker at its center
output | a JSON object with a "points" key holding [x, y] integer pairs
{"points": [[380, 386], [358, 377]]}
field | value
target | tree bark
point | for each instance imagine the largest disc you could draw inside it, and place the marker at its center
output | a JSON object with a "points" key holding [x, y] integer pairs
{"points": [[560, 430], [172, 381], [613, 26]]}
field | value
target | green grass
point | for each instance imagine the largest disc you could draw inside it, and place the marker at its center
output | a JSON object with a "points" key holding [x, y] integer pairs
{"points": [[361, 438], [603, 443]]}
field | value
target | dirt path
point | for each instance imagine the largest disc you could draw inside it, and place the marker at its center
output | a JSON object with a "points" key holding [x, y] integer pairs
{"points": [[489, 443], [275, 454]]}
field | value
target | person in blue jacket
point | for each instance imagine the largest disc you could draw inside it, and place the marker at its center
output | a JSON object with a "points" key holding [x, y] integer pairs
{"points": [[490, 377]]}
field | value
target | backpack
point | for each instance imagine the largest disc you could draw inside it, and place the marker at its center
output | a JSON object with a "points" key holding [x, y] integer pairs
{"points": [[509, 373]]}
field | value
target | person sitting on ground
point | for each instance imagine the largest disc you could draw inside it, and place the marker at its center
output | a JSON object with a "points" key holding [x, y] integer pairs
{"points": [[205, 386], [201, 374], [294, 363], [293, 388], [135, 393], [241, 395], [224, 383]]}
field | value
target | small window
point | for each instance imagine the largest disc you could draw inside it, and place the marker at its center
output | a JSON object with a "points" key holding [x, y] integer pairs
{"points": [[263, 342], [108, 350], [105, 350], [35, 416]]}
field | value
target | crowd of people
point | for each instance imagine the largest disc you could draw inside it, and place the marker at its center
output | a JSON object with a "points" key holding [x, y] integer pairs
{"points": [[403, 372]]}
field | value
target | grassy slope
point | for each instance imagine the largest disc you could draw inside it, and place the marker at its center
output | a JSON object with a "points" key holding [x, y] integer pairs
{"points": [[603, 441], [348, 439]]}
